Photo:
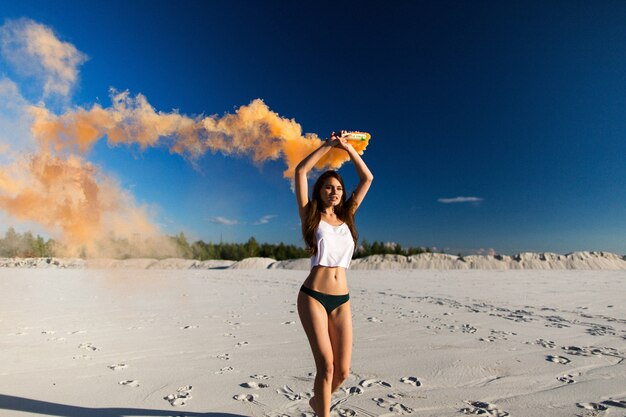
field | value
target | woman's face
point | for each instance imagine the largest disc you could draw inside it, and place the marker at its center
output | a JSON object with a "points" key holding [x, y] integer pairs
{"points": [[331, 192]]}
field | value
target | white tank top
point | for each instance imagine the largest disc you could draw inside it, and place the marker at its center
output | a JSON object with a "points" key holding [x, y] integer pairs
{"points": [[335, 245]]}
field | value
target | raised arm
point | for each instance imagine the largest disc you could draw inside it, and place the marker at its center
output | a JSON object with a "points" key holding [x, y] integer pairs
{"points": [[365, 175], [303, 168]]}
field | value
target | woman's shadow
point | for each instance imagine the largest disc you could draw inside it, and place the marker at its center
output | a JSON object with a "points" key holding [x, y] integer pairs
{"points": [[27, 405]]}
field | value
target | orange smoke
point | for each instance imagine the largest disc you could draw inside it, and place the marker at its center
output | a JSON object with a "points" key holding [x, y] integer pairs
{"points": [[69, 196], [253, 130], [59, 189]]}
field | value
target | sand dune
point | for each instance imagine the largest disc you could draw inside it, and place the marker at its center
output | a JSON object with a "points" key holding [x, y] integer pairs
{"points": [[526, 260]]}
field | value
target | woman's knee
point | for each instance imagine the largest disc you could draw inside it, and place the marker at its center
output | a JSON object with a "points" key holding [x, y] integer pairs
{"points": [[341, 373], [326, 368]]}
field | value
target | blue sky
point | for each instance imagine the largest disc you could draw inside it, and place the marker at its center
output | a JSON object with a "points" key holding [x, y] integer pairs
{"points": [[521, 106]]}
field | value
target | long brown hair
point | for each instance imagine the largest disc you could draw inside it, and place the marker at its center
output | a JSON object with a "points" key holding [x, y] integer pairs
{"points": [[344, 211]]}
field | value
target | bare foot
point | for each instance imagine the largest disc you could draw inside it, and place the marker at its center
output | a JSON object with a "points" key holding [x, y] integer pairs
{"points": [[312, 404]]}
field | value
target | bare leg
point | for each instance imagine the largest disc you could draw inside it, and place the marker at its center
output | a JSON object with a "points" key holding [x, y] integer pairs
{"points": [[340, 331], [315, 322]]}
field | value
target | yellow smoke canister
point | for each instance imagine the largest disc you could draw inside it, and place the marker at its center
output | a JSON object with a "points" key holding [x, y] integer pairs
{"points": [[356, 135]]}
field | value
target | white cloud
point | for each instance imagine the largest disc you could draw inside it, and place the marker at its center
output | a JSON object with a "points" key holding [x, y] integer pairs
{"points": [[460, 200], [231, 222], [34, 51], [223, 220], [265, 219]]}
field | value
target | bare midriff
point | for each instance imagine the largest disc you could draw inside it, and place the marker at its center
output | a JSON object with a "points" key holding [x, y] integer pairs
{"points": [[329, 280]]}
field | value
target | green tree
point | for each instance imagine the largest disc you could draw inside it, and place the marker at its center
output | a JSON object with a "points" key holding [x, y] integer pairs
{"points": [[199, 250], [27, 245], [252, 248], [377, 248], [40, 249], [10, 243]]}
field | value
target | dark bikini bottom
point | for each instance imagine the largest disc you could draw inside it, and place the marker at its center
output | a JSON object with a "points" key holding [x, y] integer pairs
{"points": [[330, 302]]}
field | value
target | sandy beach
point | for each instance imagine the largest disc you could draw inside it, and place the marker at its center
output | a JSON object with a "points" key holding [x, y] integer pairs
{"points": [[132, 342]]}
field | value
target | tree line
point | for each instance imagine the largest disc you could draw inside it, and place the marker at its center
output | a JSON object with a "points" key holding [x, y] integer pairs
{"points": [[25, 245], [238, 251]]}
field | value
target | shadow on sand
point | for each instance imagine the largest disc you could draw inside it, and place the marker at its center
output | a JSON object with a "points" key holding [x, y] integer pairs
{"points": [[9, 402]]}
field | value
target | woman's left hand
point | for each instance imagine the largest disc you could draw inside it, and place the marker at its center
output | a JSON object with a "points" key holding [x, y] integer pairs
{"points": [[339, 141]]}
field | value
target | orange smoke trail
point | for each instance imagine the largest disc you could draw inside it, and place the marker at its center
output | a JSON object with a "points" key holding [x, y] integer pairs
{"points": [[59, 189], [253, 130]]}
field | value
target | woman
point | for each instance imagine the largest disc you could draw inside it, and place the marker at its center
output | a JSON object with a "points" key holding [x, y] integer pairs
{"points": [[323, 301]]}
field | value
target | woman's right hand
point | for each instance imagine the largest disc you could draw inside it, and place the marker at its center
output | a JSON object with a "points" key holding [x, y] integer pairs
{"points": [[338, 141]]}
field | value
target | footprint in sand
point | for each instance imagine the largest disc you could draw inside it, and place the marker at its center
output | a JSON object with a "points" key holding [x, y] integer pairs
{"points": [[592, 351], [497, 335], [78, 332], [240, 344], [504, 333], [224, 370], [292, 395], [393, 406], [87, 346], [616, 403], [117, 366], [254, 385], [130, 383], [181, 397], [599, 330], [517, 316], [608, 351], [545, 343], [248, 398], [366, 383], [189, 327], [411, 380], [467, 328], [592, 406], [224, 357], [483, 408], [568, 379], [346, 412], [489, 339], [558, 359], [81, 357], [575, 350], [289, 322], [381, 402], [556, 321], [262, 377], [48, 332], [235, 324], [353, 390], [374, 320]]}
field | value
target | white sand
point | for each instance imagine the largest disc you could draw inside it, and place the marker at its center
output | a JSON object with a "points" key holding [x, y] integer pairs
{"points": [[147, 342]]}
